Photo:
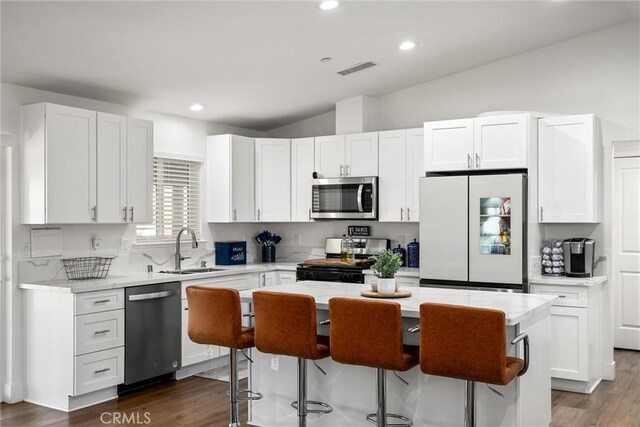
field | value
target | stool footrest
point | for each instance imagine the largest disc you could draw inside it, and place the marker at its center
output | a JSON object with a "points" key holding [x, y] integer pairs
{"points": [[325, 408], [372, 418], [249, 395]]}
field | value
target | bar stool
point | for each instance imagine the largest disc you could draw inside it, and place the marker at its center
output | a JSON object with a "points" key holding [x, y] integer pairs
{"points": [[286, 324], [369, 333], [470, 344], [215, 318]]}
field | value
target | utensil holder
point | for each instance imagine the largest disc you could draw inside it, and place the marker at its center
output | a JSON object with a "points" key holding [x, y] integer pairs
{"points": [[268, 254]]}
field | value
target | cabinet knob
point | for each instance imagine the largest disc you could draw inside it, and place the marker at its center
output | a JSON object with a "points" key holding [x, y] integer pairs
{"points": [[469, 161], [347, 170], [341, 170], [401, 214], [131, 214], [477, 160], [124, 214], [408, 214], [93, 213]]}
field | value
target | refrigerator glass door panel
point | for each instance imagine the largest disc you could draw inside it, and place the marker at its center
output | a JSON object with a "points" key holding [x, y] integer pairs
{"points": [[443, 228], [495, 228]]}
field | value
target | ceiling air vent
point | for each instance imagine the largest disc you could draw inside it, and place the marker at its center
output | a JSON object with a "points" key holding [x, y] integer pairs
{"points": [[356, 68]]}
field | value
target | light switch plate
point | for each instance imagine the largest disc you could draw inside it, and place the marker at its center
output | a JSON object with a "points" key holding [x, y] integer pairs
{"points": [[275, 362]]}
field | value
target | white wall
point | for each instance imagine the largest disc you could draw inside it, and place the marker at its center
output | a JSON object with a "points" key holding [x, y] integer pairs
{"points": [[322, 124], [172, 135]]}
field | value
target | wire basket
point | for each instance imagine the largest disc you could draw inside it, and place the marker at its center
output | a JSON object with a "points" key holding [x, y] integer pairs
{"points": [[93, 267]]}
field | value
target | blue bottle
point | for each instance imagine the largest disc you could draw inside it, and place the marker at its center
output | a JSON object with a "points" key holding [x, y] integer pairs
{"points": [[413, 254], [403, 254]]}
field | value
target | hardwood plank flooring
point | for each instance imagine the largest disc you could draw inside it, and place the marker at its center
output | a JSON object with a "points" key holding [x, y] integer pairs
{"points": [[201, 402]]}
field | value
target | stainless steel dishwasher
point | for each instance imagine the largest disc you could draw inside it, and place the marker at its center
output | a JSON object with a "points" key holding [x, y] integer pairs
{"points": [[152, 332]]}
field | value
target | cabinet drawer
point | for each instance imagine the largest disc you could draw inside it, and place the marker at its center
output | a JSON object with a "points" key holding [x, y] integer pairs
{"points": [[408, 281], [99, 331], [240, 282], [94, 302], [569, 296], [98, 370]]}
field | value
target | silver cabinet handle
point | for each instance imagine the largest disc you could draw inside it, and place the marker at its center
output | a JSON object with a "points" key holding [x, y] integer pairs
{"points": [[309, 214], [341, 170], [541, 213], [131, 214], [152, 295], [258, 214], [104, 331], [93, 213], [102, 301], [401, 214], [235, 214], [408, 214], [347, 170], [469, 161], [99, 371], [562, 296], [477, 160], [124, 214]]}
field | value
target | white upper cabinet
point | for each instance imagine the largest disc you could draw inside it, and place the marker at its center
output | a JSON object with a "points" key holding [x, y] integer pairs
{"points": [[58, 165], [139, 170], [230, 178], [569, 169], [302, 167], [330, 156], [499, 142], [361, 154], [273, 179], [448, 145], [112, 168], [347, 155], [400, 174]]}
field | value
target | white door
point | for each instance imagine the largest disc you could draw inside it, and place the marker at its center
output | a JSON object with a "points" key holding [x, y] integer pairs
{"points": [[567, 169], [495, 228], [362, 154], [392, 178], [111, 169], [501, 142], [71, 165], [330, 156], [301, 179], [626, 252], [570, 349], [443, 228], [273, 179], [242, 179], [448, 145], [140, 171], [415, 171]]}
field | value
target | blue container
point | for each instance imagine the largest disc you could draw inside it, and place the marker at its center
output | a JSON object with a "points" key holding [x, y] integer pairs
{"points": [[413, 254], [268, 254], [231, 253], [403, 255]]}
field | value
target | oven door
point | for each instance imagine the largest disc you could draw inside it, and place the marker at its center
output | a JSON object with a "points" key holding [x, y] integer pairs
{"points": [[345, 198]]}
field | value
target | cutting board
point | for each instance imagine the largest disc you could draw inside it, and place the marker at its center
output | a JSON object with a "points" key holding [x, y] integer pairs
{"points": [[336, 262]]}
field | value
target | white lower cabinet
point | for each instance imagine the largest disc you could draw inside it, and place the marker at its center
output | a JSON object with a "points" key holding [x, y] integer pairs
{"points": [[286, 277], [408, 281], [95, 371], [575, 336]]}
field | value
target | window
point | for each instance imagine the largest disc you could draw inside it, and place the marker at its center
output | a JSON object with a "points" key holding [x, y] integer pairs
{"points": [[176, 200]]}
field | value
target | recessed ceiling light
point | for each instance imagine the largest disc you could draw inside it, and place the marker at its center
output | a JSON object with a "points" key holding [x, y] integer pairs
{"points": [[328, 4], [326, 59], [197, 107], [407, 45]]}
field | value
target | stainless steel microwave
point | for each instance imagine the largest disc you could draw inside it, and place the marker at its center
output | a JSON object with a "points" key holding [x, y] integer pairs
{"points": [[345, 198]]}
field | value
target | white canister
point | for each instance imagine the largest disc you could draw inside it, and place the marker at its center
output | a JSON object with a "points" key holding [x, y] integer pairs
{"points": [[387, 286]]}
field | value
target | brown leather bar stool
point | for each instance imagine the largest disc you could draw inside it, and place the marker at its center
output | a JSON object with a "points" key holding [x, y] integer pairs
{"points": [[470, 344], [215, 318], [286, 324], [369, 333]]}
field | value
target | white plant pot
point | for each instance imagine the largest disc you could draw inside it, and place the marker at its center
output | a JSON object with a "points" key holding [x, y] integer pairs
{"points": [[387, 286]]}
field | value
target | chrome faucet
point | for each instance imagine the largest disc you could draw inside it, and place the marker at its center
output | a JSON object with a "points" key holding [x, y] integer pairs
{"points": [[194, 245]]}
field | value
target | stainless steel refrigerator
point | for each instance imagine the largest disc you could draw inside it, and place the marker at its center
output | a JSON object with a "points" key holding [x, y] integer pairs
{"points": [[473, 231]]}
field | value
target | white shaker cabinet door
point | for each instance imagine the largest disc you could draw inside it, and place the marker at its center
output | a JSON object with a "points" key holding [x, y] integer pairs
{"points": [[273, 179], [569, 339], [302, 152], [415, 171], [330, 156], [242, 179], [361, 157], [139, 171], [448, 145], [70, 165], [393, 152], [112, 169], [501, 142]]}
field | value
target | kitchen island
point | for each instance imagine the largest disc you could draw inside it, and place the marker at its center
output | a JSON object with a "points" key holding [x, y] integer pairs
{"points": [[427, 400]]}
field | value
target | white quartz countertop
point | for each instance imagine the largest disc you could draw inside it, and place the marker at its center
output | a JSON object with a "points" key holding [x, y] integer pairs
{"points": [[403, 272], [138, 279], [568, 281], [516, 306]]}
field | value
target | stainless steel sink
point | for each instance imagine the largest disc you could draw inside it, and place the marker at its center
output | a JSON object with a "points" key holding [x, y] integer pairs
{"points": [[193, 270]]}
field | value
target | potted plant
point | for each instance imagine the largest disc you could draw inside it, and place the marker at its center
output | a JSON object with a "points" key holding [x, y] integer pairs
{"points": [[387, 264]]}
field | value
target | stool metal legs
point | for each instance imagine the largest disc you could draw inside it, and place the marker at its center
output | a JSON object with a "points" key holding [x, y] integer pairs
{"points": [[234, 389], [380, 417], [470, 404], [301, 404]]}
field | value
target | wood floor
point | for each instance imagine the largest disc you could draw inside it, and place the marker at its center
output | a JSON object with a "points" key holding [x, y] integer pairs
{"points": [[201, 402]]}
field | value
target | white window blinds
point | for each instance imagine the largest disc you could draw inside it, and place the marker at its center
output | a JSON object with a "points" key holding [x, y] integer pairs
{"points": [[176, 200]]}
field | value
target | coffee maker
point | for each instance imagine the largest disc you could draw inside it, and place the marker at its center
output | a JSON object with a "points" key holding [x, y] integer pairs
{"points": [[579, 256]]}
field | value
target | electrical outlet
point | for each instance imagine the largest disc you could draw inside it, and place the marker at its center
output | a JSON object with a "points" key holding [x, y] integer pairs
{"points": [[123, 244], [26, 250], [96, 242], [274, 362], [296, 240]]}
